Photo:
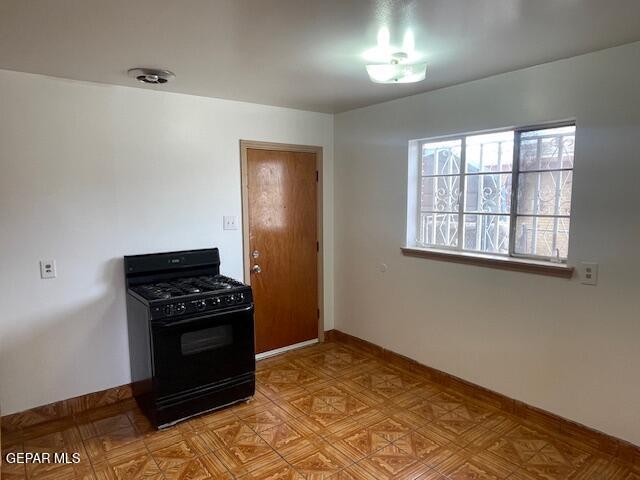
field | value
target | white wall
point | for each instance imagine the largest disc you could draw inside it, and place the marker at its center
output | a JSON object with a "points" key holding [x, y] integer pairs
{"points": [[568, 348], [89, 173]]}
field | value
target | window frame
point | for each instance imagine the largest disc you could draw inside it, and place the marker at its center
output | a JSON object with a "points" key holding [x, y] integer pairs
{"points": [[452, 175], [513, 215]]}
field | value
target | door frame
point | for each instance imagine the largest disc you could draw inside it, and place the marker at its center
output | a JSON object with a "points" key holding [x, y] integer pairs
{"points": [[246, 254]]}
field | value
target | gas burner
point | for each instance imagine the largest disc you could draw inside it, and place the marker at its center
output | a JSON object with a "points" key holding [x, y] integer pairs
{"points": [[220, 285], [188, 286]]}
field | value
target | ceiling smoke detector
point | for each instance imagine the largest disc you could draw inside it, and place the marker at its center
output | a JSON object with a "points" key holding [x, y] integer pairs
{"points": [[151, 75]]}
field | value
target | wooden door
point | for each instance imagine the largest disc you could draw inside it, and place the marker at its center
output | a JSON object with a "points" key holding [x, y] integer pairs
{"points": [[283, 252]]}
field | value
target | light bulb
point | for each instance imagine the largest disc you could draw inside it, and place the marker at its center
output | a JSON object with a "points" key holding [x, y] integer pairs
{"points": [[383, 38], [409, 43]]}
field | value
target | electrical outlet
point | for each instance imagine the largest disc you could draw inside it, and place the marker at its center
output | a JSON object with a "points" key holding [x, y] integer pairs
{"points": [[48, 269], [588, 273], [230, 222]]}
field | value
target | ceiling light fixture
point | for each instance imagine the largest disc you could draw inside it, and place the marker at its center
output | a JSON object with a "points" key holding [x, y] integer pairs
{"points": [[394, 65], [151, 75]]}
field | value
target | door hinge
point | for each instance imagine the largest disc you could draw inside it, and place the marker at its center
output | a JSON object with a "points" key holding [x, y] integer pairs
{"points": [[317, 246], [317, 175], [318, 313]]}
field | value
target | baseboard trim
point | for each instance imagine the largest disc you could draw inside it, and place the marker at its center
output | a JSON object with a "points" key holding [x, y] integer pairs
{"points": [[65, 408], [606, 443], [278, 351], [62, 409]]}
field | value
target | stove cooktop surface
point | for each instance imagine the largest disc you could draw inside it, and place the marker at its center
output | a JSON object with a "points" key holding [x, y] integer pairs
{"points": [[186, 286]]}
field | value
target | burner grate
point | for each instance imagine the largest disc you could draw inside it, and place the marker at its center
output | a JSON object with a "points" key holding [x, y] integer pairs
{"points": [[186, 286]]}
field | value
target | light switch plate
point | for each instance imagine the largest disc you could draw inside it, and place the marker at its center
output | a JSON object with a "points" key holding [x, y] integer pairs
{"points": [[48, 269], [588, 273], [230, 222]]}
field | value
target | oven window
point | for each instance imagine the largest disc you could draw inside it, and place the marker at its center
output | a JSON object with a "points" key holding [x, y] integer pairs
{"points": [[206, 339]]}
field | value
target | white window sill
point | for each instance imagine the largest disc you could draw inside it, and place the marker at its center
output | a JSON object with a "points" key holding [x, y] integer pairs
{"points": [[492, 261]]}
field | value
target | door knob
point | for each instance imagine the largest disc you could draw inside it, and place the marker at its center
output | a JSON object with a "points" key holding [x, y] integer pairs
{"points": [[256, 269]]}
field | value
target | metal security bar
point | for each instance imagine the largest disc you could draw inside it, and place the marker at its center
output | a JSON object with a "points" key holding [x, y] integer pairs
{"points": [[468, 199], [554, 178]]}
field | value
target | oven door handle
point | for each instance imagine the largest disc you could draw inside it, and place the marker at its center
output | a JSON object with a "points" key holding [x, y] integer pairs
{"points": [[186, 321]]}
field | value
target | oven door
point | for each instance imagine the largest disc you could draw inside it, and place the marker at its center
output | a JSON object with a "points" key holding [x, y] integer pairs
{"points": [[200, 352]]}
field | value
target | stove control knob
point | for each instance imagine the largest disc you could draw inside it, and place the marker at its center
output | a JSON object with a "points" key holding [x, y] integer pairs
{"points": [[200, 305], [214, 301], [239, 297], [180, 308], [230, 299], [167, 310]]}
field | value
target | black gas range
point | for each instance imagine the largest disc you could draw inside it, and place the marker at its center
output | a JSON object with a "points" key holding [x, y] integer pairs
{"points": [[191, 334]]}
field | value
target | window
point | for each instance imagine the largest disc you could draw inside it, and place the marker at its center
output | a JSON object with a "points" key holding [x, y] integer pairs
{"points": [[506, 193]]}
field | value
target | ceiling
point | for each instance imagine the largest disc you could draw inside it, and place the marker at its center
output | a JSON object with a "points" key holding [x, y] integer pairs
{"points": [[304, 54]]}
